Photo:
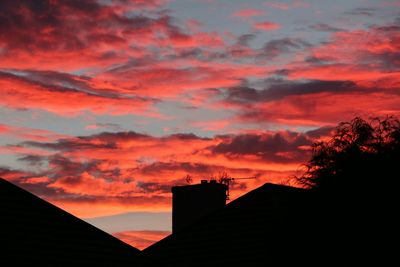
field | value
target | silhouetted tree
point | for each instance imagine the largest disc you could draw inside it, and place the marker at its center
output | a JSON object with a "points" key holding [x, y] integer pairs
{"points": [[361, 155]]}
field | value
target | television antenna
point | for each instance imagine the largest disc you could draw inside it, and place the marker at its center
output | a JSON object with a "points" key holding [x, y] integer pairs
{"points": [[223, 178], [226, 180]]}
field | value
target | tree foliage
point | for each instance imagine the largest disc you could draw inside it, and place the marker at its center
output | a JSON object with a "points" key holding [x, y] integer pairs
{"points": [[361, 154]]}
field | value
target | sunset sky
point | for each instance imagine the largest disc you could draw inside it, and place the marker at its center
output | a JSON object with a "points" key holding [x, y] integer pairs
{"points": [[106, 104]]}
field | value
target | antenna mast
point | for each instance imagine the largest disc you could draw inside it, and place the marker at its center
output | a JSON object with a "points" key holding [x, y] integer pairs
{"points": [[226, 180]]}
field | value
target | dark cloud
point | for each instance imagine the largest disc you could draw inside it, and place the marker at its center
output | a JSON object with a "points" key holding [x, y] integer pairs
{"points": [[189, 167], [67, 144], [104, 140], [70, 25], [276, 147], [389, 57], [6, 172], [245, 39], [320, 132], [325, 27], [27, 21], [21, 178], [107, 140], [361, 11], [57, 80], [186, 136], [32, 160], [60, 166], [277, 47], [314, 61], [141, 3], [276, 91], [150, 187]]}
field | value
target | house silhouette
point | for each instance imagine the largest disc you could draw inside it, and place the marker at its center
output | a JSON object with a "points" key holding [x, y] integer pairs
{"points": [[244, 232], [37, 233], [273, 225]]}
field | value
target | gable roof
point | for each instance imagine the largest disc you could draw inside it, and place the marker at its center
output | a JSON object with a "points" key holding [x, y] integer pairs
{"points": [[37, 233]]}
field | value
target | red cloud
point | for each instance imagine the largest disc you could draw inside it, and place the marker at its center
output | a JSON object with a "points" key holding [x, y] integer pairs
{"points": [[324, 108], [13, 175], [21, 92], [266, 26], [116, 51], [63, 35], [85, 183], [170, 79], [355, 73], [30, 133], [249, 13], [133, 60], [343, 71], [355, 55], [125, 171]]}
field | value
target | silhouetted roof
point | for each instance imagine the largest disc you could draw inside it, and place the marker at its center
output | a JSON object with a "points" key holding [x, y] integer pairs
{"points": [[247, 230], [37, 233]]}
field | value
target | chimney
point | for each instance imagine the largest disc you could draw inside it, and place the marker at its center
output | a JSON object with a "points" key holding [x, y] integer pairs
{"points": [[191, 202]]}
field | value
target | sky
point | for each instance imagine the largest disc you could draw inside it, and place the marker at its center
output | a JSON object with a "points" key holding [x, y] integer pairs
{"points": [[106, 104]]}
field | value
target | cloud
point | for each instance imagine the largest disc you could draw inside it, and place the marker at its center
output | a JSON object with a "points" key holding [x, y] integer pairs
{"points": [[286, 6], [44, 26], [64, 96], [124, 57], [32, 134], [324, 27], [67, 36], [282, 89], [358, 48], [327, 83], [141, 239], [275, 147], [322, 109], [266, 26], [245, 39], [276, 5], [245, 13], [361, 11], [216, 125], [99, 125], [12, 175], [113, 172], [168, 80], [130, 55], [277, 47]]}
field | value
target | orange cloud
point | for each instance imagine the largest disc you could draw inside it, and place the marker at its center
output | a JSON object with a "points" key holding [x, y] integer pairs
{"points": [[141, 239]]}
